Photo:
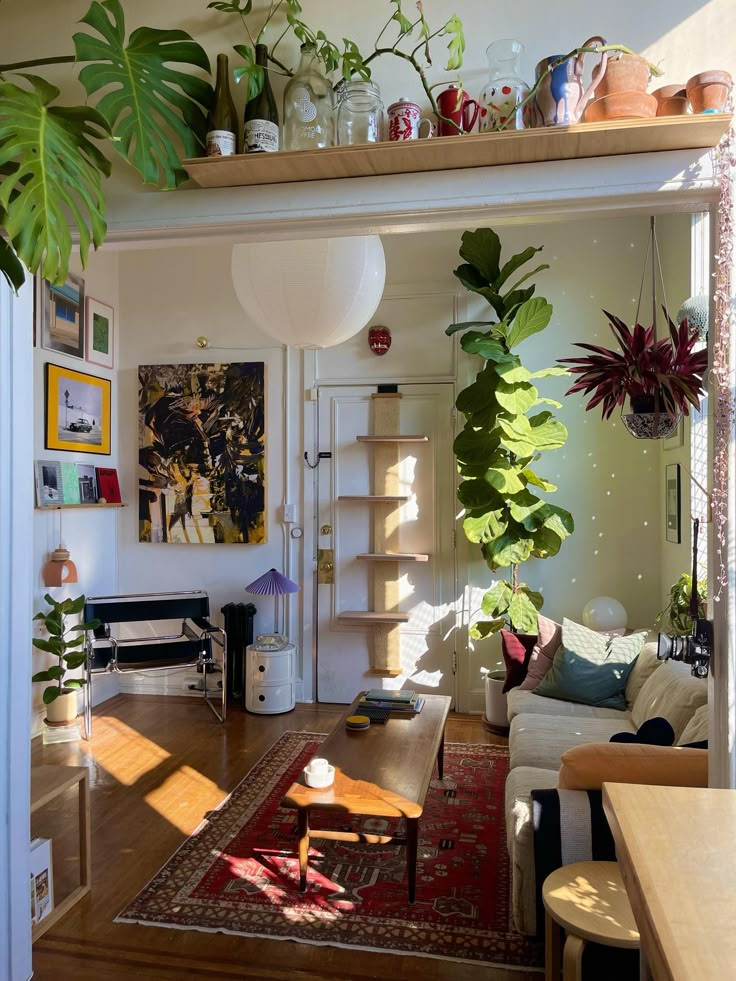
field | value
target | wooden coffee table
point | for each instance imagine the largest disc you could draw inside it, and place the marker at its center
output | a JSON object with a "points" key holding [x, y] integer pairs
{"points": [[382, 772]]}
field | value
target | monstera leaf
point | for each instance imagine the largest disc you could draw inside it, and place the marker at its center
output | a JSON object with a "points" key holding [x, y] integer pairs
{"points": [[10, 265], [51, 178], [144, 100]]}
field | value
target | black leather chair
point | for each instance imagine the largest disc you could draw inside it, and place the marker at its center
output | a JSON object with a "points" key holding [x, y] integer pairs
{"points": [[155, 650]]}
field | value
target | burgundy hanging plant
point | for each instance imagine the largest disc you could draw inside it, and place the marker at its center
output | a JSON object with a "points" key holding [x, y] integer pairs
{"points": [[661, 378]]}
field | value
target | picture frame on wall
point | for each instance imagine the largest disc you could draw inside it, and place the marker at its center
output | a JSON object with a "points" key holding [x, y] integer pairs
{"points": [[77, 411], [99, 330], [60, 316], [673, 503]]}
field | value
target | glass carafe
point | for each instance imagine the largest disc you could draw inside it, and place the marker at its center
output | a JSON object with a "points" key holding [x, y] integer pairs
{"points": [[309, 117], [360, 114], [506, 89]]}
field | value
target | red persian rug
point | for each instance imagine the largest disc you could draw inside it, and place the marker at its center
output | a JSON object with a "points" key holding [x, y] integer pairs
{"points": [[238, 873]]}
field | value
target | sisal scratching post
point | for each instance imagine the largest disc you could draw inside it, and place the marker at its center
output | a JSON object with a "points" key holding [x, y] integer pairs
{"points": [[386, 457]]}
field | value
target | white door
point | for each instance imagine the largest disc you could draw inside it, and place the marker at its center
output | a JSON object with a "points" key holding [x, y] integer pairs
{"points": [[424, 525]]}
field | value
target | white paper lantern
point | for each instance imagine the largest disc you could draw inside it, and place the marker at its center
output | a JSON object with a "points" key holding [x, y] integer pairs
{"points": [[605, 613], [310, 293]]}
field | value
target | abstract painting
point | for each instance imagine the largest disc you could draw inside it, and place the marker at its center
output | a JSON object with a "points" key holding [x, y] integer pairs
{"points": [[202, 453]]}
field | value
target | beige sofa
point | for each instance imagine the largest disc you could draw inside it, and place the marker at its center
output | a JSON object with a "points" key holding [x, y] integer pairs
{"points": [[542, 729]]}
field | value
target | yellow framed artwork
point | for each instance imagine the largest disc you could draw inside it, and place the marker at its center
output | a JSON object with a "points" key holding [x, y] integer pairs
{"points": [[77, 411]]}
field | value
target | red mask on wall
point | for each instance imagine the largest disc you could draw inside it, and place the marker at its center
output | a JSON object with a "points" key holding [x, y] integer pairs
{"points": [[379, 339]]}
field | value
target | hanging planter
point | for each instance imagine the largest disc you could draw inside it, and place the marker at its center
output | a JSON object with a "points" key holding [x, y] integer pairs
{"points": [[653, 381]]}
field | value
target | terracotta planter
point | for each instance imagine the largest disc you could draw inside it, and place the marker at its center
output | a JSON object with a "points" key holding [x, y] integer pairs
{"points": [[709, 91], [621, 105], [623, 73], [63, 709], [671, 100]]}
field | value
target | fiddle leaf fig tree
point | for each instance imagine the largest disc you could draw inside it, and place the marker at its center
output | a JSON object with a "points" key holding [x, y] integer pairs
{"points": [[508, 426]]}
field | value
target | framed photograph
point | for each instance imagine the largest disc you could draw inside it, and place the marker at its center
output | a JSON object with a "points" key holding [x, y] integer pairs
{"points": [[87, 483], [677, 439], [77, 411], [99, 321], [49, 483], [60, 316], [672, 503]]}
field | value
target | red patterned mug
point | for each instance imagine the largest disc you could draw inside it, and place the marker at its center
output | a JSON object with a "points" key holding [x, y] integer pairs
{"points": [[405, 121]]}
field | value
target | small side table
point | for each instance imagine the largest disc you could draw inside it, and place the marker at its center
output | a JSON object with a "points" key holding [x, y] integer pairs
{"points": [[48, 783], [588, 900]]}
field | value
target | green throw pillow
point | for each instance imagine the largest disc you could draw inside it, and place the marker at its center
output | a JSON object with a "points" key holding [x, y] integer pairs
{"points": [[590, 667]]}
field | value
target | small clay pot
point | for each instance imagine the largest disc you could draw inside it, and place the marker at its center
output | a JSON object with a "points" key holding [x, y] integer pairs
{"points": [[671, 100], [623, 73], [708, 91], [621, 105]]}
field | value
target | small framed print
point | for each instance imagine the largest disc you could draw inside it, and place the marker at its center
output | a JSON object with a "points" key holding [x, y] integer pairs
{"points": [[672, 502], [77, 411], [60, 315], [99, 327]]}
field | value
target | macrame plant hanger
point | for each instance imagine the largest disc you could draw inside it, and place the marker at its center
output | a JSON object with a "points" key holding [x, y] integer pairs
{"points": [[656, 424]]}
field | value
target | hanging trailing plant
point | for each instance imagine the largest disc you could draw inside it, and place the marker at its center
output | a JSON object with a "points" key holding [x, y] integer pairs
{"points": [[503, 436], [53, 158]]}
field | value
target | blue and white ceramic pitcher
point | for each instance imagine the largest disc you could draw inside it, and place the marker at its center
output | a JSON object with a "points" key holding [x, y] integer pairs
{"points": [[561, 99]]}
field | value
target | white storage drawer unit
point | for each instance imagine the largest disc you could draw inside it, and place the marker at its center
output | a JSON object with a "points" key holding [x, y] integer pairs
{"points": [[270, 678]]}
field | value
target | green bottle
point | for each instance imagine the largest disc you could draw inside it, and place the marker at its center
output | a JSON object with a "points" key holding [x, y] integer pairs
{"points": [[222, 120], [261, 129]]}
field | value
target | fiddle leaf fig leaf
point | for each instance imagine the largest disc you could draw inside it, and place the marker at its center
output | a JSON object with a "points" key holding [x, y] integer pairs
{"points": [[482, 250], [475, 446], [466, 325], [522, 613], [531, 317], [484, 628], [145, 101], [516, 262], [511, 548], [505, 478], [483, 528], [475, 397], [516, 398], [538, 481], [477, 494], [496, 600], [51, 178], [547, 433], [548, 372]]}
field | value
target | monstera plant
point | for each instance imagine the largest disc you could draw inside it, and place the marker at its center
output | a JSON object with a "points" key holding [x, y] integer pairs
{"points": [[53, 158], [508, 426]]}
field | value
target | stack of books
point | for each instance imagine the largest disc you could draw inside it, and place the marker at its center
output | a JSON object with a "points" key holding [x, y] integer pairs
{"points": [[379, 703]]}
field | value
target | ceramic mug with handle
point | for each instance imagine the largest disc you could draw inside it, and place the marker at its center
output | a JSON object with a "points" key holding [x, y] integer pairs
{"points": [[455, 104], [405, 122], [561, 98]]}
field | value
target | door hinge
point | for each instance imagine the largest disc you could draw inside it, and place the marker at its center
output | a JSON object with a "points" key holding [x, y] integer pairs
{"points": [[454, 662], [454, 539]]}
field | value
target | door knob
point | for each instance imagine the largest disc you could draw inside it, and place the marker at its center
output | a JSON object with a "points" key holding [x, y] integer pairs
{"points": [[325, 566]]}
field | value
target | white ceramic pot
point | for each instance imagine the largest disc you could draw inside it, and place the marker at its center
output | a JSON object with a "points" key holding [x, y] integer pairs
{"points": [[63, 709], [496, 709]]}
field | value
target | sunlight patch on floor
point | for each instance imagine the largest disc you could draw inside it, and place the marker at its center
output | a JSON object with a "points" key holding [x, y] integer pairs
{"points": [[184, 797], [125, 754]]}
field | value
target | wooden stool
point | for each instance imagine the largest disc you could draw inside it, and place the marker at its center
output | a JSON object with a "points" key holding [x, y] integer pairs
{"points": [[588, 900]]}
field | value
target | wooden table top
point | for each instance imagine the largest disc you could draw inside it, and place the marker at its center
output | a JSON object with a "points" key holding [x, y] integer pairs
{"points": [[589, 899], [382, 771], [675, 847]]}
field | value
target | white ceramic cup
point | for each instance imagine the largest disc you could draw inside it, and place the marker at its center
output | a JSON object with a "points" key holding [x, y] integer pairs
{"points": [[317, 766]]}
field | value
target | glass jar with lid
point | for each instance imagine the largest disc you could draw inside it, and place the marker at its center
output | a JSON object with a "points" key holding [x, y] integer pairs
{"points": [[502, 97], [360, 115], [309, 117]]}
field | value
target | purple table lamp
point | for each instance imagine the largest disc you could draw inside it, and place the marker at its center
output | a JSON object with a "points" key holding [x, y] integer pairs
{"points": [[273, 584]]}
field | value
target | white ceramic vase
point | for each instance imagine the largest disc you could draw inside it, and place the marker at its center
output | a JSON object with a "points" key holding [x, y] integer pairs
{"points": [[63, 709]]}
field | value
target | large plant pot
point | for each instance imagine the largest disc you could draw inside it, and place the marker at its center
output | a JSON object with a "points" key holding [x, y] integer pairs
{"points": [[63, 710], [708, 91], [623, 73], [621, 105], [671, 100], [497, 717]]}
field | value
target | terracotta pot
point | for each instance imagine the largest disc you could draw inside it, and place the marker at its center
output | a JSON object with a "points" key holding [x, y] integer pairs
{"points": [[622, 105], [709, 91], [671, 100], [623, 73], [63, 709]]}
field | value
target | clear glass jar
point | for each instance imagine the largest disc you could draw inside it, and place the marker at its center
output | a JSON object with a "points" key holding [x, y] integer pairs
{"points": [[360, 115], [506, 89], [309, 117]]}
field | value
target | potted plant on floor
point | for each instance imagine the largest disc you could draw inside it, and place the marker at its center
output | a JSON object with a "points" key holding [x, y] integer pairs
{"points": [[661, 379], [65, 643]]}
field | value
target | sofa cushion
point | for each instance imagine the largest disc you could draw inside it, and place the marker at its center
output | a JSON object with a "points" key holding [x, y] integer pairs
{"points": [[672, 692], [519, 839], [591, 667], [645, 664], [549, 637], [587, 767], [696, 731], [517, 649], [519, 701], [540, 740]]}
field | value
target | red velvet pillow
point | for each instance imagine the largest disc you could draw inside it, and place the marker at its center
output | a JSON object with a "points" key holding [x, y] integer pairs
{"points": [[516, 649]]}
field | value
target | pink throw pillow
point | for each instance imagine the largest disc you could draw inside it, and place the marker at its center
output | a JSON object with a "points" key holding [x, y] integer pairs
{"points": [[548, 640]]}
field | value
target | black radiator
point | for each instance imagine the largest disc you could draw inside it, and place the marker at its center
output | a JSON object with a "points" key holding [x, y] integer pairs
{"points": [[238, 626]]}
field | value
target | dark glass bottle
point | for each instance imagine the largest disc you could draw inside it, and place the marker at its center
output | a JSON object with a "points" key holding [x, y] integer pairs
{"points": [[261, 129], [222, 120]]}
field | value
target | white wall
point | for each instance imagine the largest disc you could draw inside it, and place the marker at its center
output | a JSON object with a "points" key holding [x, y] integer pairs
{"points": [[89, 534]]}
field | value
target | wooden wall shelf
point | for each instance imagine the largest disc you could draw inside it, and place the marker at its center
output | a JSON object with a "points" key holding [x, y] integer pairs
{"points": [[61, 507], [375, 498], [392, 439], [583, 140], [393, 557], [369, 616]]}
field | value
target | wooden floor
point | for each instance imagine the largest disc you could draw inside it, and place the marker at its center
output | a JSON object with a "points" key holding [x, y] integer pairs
{"points": [[157, 764]]}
